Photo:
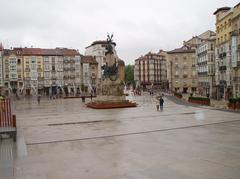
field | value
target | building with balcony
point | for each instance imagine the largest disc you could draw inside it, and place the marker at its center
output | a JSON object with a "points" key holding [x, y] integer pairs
{"points": [[33, 71], [13, 71], [205, 54], [235, 50], [53, 71], [98, 49], [1, 69], [227, 51], [89, 68], [71, 71], [150, 71], [181, 66]]}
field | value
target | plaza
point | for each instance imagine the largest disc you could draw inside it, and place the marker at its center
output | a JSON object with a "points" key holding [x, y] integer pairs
{"points": [[64, 139]]}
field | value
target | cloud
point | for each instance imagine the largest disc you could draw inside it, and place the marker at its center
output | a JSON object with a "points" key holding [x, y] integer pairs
{"points": [[139, 26]]}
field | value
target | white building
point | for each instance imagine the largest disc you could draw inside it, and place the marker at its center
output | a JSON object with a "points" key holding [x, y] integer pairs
{"points": [[71, 70], [53, 71], [206, 65], [98, 49]]}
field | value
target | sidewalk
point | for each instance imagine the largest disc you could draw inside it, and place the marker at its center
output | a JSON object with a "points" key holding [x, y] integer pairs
{"points": [[217, 104]]}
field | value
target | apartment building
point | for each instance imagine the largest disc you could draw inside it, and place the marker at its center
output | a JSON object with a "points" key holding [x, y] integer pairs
{"points": [[150, 70], [53, 71], [223, 52], [205, 54], [98, 49], [181, 66], [33, 71], [89, 67], [71, 71], [13, 71], [235, 50], [1, 69]]}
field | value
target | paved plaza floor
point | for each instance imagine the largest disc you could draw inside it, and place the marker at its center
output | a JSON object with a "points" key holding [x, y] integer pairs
{"points": [[62, 139]]}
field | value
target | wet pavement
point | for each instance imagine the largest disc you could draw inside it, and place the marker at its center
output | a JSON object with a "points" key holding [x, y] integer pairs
{"points": [[64, 139]]}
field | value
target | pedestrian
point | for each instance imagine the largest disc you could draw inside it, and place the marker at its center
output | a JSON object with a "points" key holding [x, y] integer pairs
{"points": [[161, 101], [83, 98], [91, 96], [38, 99], [157, 105]]}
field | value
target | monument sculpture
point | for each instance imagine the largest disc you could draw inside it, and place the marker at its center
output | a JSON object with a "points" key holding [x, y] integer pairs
{"points": [[110, 91]]}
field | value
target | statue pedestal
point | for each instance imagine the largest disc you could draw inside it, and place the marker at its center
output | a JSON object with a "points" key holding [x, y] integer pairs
{"points": [[110, 96]]}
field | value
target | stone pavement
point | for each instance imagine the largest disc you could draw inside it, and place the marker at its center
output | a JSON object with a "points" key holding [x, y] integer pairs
{"points": [[64, 139]]}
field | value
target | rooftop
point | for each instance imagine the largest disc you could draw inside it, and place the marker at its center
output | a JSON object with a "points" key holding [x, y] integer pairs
{"points": [[221, 9]]}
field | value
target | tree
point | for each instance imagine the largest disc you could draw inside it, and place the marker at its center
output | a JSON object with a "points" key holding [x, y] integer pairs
{"points": [[129, 74]]}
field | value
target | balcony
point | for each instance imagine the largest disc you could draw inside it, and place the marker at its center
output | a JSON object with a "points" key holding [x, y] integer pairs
{"points": [[40, 78], [65, 76], [27, 69], [222, 68], [222, 55], [26, 78], [203, 73], [72, 76], [236, 79], [185, 76], [39, 70]]}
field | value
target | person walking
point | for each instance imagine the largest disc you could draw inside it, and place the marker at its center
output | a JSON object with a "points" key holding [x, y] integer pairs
{"points": [[38, 99], [91, 96], [161, 101], [83, 98]]}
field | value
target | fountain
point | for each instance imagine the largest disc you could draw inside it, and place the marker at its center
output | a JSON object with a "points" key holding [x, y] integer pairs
{"points": [[110, 92]]}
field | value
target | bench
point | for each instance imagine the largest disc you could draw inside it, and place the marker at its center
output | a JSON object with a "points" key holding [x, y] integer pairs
{"points": [[7, 120]]}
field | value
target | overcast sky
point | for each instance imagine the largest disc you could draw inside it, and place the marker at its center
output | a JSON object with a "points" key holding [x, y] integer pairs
{"points": [[139, 26]]}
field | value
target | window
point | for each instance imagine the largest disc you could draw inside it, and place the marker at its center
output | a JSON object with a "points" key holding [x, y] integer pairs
{"points": [[53, 68], [19, 61]]}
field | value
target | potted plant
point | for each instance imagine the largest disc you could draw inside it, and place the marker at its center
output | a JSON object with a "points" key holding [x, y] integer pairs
{"points": [[232, 103]]}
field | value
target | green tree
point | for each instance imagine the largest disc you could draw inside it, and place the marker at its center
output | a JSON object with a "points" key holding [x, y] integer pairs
{"points": [[129, 74]]}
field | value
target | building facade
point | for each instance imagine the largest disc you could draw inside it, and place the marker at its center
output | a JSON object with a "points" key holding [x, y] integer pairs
{"points": [[205, 54], [235, 50], [53, 71], [150, 71], [89, 67], [1, 69], [98, 49], [223, 52], [71, 71], [13, 71], [33, 71], [182, 75]]}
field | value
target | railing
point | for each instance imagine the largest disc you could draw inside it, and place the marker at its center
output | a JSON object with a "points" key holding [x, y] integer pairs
{"points": [[7, 120]]}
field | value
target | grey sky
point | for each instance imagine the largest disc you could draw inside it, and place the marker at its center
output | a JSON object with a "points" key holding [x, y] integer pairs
{"points": [[139, 26]]}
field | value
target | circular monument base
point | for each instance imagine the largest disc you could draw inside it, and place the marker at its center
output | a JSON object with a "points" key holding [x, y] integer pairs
{"points": [[111, 104]]}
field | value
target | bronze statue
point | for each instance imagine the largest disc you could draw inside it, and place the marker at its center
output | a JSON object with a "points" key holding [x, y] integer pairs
{"points": [[109, 47], [110, 71]]}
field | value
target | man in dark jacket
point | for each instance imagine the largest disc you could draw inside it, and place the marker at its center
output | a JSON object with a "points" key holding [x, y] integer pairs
{"points": [[161, 101]]}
